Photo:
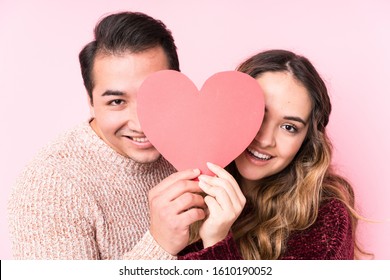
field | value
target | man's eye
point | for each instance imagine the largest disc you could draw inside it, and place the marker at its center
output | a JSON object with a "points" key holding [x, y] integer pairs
{"points": [[116, 102]]}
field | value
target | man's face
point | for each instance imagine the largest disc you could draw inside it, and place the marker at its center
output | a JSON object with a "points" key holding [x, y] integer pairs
{"points": [[117, 79]]}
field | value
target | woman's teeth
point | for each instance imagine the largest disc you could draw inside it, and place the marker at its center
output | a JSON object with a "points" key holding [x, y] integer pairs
{"points": [[259, 155]]}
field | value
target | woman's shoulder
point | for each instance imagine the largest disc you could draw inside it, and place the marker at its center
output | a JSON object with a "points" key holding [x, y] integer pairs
{"points": [[329, 237], [333, 220], [331, 209]]}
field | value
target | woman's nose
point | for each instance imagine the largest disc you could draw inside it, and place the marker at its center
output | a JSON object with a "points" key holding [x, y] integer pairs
{"points": [[266, 135]]}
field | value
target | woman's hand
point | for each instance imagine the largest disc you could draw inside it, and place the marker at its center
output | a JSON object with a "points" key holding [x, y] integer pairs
{"points": [[225, 202]]}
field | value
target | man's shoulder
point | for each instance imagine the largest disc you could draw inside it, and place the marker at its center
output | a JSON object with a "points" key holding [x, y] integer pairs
{"points": [[57, 154], [60, 162], [71, 141]]}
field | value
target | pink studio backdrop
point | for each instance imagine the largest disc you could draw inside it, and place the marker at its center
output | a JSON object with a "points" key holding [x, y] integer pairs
{"points": [[349, 41]]}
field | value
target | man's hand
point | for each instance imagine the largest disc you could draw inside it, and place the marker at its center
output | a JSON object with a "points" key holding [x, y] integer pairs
{"points": [[175, 204]]}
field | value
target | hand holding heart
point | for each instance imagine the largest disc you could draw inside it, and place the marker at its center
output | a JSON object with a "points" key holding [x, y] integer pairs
{"points": [[225, 202], [174, 205]]}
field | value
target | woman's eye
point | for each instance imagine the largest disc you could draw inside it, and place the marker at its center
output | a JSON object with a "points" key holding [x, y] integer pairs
{"points": [[290, 128], [116, 102]]}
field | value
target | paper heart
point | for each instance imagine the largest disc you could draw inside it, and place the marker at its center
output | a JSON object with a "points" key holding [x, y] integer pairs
{"points": [[190, 127]]}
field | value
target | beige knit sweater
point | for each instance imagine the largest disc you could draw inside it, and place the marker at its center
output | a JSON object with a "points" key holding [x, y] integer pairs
{"points": [[79, 199]]}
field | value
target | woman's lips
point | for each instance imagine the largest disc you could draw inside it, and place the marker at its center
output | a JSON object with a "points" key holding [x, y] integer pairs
{"points": [[258, 155]]}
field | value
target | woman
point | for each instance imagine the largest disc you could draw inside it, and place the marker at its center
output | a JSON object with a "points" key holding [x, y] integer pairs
{"points": [[295, 205]]}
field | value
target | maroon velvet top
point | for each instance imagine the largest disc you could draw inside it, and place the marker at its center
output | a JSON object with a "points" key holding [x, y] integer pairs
{"points": [[329, 238]]}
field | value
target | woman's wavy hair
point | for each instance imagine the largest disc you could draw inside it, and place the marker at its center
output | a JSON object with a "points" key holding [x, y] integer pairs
{"points": [[289, 200]]}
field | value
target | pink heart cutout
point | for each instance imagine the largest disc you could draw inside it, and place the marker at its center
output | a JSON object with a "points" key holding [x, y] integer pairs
{"points": [[191, 127]]}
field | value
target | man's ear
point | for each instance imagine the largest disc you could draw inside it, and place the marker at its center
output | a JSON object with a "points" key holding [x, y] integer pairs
{"points": [[91, 108], [92, 111]]}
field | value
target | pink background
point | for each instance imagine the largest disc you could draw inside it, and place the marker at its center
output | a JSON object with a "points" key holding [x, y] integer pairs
{"points": [[348, 41]]}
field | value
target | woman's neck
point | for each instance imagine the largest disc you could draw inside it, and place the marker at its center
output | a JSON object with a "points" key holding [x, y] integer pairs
{"points": [[246, 184]]}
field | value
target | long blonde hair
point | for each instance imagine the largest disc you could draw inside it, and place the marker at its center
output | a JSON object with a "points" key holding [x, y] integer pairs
{"points": [[289, 200]]}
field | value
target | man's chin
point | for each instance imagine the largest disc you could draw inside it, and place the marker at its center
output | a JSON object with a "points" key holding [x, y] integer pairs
{"points": [[145, 159]]}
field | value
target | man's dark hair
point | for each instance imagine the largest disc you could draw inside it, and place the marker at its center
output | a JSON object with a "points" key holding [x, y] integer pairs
{"points": [[126, 32]]}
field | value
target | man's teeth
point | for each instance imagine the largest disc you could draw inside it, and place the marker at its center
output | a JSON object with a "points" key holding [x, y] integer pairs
{"points": [[259, 155], [140, 139]]}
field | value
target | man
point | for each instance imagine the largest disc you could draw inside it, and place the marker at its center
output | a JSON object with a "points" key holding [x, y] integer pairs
{"points": [[85, 196]]}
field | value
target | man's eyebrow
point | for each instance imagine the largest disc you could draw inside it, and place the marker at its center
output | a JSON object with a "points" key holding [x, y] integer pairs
{"points": [[293, 118], [113, 93]]}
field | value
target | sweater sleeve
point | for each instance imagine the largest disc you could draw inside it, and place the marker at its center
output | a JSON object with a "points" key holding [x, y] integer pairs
{"points": [[226, 249], [329, 238], [50, 217], [148, 249]]}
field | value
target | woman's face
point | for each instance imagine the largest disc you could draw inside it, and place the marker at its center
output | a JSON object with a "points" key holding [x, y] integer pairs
{"points": [[285, 125]]}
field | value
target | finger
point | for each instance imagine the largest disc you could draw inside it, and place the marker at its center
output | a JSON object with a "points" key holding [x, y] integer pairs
{"points": [[222, 173], [235, 199], [164, 203], [174, 190], [208, 181], [188, 174], [219, 171], [179, 188], [190, 216], [219, 193], [187, 201], [213, 206]]}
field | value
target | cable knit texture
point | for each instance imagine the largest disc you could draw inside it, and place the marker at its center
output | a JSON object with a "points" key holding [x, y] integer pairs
{"points": [[79, 199], [329, 238]]}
